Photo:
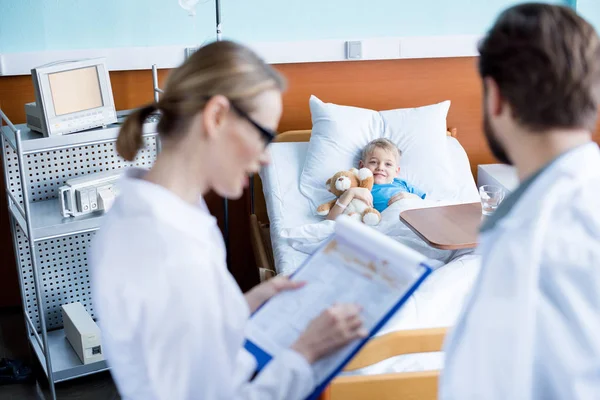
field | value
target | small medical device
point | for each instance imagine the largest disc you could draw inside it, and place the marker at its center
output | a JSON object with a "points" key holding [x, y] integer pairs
{"points": [[82, 332], [71, 96], [87, 194]]}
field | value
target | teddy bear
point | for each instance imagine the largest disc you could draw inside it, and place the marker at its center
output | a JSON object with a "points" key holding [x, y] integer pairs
{"points": [[344, 180]]}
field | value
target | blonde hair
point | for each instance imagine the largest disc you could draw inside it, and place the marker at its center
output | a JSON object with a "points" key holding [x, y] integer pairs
{"points": [[384, 144], [220, 68]]}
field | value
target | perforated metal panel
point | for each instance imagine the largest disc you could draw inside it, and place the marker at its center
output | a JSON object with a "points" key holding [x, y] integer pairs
{"points": [[63, 272], [62, 262], [48, 170], [64, 275], [26, 270], [12, 172]]}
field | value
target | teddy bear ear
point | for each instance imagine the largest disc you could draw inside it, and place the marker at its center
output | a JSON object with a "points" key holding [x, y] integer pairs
{"points": [[354, 171], [328, 182]]}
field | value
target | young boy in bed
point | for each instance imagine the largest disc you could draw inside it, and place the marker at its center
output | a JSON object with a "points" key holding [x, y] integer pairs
{"points": [[382, 157]]}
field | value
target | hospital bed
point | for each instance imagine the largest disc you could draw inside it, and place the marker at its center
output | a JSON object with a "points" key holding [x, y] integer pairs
{"points": [[278, 203], [405, 357]]}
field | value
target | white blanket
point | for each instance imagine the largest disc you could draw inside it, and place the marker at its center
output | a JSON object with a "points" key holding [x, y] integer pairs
{"points": [[436, 303], [307, 238]]}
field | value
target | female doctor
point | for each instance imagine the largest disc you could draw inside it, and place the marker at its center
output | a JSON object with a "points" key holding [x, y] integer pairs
{"points": [[172, 316]]}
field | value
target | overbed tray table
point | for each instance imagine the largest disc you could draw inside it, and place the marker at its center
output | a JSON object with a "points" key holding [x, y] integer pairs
{"points": [[447, 227]]}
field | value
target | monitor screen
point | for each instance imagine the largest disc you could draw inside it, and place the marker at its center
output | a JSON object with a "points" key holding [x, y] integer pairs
{"points": [[75, 90]]}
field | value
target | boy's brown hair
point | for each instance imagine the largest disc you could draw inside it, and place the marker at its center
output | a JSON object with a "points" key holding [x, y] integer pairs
{"points": [[384, 144], [546, 62]]}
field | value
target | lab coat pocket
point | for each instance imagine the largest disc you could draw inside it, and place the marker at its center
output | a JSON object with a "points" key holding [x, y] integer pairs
{"points": [[497, 338]]}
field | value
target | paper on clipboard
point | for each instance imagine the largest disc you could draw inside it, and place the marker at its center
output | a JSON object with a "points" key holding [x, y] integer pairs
{"points": [[356, 265]]}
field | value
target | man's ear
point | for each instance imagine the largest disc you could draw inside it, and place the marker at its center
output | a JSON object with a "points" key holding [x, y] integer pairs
{"points": [[494, 102], [213, 115]]}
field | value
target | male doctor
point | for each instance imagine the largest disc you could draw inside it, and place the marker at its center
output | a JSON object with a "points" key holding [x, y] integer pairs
{"points": [[531, 329]]}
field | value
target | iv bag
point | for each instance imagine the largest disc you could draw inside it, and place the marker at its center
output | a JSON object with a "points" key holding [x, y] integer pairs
{"points": [[189, 5]]}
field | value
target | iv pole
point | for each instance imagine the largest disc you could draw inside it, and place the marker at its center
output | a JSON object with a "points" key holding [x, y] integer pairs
{"points": [[158, 91], [225, 202], [218, 9]]}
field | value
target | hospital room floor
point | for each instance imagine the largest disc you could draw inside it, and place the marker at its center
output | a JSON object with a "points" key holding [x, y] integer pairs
{"points": [[13, 345]]}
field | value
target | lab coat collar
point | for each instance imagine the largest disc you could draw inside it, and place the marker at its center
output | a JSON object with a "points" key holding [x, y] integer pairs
{"points": [[167, 206]]}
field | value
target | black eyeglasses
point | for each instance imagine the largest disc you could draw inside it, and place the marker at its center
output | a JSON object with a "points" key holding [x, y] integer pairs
{"points": [[267, 134]]}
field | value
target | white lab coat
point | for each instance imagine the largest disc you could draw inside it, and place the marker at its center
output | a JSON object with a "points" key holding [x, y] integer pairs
{"points": [[531, 328], [172, 317]]}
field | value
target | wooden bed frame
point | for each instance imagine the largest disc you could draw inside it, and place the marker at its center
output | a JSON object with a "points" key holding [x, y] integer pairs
{"points": [[408, 385]]}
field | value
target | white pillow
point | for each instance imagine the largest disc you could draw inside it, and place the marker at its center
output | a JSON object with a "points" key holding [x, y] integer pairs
{"points": [[339, 133]]}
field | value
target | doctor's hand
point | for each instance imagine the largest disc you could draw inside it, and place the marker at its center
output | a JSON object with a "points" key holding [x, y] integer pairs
{"points": [[263, 292], [334, 328]]}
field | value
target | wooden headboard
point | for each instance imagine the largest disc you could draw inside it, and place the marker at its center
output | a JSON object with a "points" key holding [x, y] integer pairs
{"points": [[303, 135]]}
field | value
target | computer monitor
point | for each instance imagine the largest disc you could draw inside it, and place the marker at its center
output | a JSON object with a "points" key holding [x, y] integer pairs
{"points": [[71, 96]]}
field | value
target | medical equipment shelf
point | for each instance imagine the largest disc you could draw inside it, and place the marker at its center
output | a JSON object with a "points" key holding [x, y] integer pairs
{"points": [[33, 142], [65, 362], [47, 223], [51, 251]]}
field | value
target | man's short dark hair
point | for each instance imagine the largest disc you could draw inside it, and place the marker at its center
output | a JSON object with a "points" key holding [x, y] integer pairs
{"points": [[546, 62]]}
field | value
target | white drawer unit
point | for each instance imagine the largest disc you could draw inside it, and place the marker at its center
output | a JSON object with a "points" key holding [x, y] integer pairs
{"points": [[502, 175]]}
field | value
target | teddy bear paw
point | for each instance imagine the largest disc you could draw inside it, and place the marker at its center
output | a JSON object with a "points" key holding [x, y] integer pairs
{"points": [[371, 219], [323, 209], [364, 173], [355, 216]]}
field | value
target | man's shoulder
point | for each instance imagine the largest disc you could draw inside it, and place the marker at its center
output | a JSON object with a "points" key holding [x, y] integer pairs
{"points": [[578, 208], [573, 234]]}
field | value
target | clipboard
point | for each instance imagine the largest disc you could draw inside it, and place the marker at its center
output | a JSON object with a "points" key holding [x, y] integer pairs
{"points": [[384, 272]]}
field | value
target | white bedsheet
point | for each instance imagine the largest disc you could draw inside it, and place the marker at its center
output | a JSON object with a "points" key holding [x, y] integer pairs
{"points": [[286, 206], [296, 231]]}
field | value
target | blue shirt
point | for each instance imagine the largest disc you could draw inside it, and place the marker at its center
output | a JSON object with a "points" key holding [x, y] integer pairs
{"points": [[384, 192]]}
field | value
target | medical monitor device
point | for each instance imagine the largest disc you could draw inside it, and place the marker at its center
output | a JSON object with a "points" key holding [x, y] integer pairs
{"points": [[71, 96], [89, 193]]}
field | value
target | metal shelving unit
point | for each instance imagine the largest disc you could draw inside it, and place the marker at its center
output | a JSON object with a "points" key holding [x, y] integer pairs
{"points": [[51, 251]]}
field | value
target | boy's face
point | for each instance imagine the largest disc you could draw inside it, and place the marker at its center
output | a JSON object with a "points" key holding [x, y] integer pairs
{"points": [[383, 164]]}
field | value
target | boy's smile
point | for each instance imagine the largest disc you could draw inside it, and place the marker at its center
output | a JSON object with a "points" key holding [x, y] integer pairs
{"points": [[383, 164]]}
